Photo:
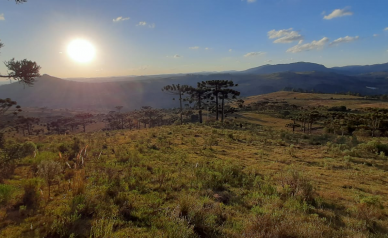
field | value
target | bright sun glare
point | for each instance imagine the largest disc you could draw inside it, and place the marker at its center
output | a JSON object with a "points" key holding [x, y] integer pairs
{"points": [[81, 51]]}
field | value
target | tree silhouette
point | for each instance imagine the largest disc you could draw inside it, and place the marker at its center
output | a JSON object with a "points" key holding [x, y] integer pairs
{"points": [[27, 124], [178, 90], [24, 71], [227, 94], [198, 95], [220, 89], [8, 109], [84, 119]]}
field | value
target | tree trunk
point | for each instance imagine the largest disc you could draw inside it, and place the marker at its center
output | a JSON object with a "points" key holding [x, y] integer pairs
{"points": [[217, 103], [222, 109], [200, 108], [180, 104]]}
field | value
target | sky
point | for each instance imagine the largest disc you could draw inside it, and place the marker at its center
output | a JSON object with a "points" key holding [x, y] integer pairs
{"points": [[146, 37]]}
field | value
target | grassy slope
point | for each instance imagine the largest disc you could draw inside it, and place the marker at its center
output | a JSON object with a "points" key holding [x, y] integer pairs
{"points": [[189, 181], [314, 99]]}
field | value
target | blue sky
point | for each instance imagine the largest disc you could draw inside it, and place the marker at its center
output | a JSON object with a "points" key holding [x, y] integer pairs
{"points": [[181, 36]]}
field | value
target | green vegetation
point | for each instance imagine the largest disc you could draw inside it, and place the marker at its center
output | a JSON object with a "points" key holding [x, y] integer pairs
{"points": [[211, 180]]}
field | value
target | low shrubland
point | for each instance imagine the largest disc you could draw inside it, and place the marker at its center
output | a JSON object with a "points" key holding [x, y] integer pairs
{"points": [[196, 181]]}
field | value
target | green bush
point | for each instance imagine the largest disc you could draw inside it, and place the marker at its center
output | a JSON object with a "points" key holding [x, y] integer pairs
{"points": [[28, 148], [5, 193], [31, 196]]}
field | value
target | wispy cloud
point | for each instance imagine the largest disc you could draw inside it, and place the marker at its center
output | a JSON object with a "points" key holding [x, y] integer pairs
{"points": [[251, 1], [118, 19], [144, 24], [174, 56], [345, 39], [253, 54], [338, 13], [194, 47], [386, 29], [2, 17], [230, 50], [314, 45], [375, 35], [285, 36]]}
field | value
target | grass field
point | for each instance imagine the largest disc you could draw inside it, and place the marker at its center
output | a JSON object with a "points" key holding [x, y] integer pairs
{"points": [[199, 181], [314, 99]]}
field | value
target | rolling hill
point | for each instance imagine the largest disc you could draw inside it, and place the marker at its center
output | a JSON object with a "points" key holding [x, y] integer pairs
{"points": [[136, 91]]}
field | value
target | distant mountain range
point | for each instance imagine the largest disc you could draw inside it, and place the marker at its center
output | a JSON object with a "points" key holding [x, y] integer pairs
{"points": [[135, 91], [307, 67]]}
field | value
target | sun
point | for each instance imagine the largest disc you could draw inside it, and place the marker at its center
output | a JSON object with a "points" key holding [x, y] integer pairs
{"points": [[81, 51]]}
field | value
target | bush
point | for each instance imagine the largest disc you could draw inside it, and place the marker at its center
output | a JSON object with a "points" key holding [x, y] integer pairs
{"points": [[295, 184], [2, 140], [13, 150], [5, 193], [28, 148], [31, 196]]}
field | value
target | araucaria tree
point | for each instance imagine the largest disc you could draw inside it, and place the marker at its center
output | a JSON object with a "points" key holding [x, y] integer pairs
{"points": [[8, 110], [198, 95], [178, 90], [24, 71], [84, 119], [221, 90]]}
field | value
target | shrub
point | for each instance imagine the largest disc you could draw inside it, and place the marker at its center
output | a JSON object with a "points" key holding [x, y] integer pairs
{"points": [[28, 148], [2, 140], [31, 196], [49, 171], [295, 184], [102, 228], [5, 193]]}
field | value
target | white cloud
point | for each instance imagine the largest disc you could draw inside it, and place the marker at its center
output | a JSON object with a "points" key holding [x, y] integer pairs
{"points": [[345, 39], [2, 17], [251, 1], [375, 35], [386, 29], [118, 19], [194, 48], [174, 56], [338, 13], [230, 50], [285, 36], [314, 45], [142, 23], [253, 54]]}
